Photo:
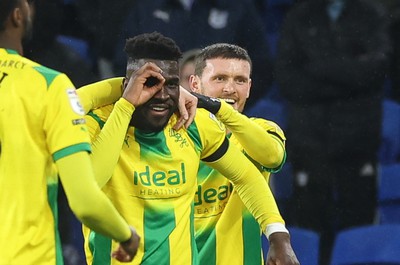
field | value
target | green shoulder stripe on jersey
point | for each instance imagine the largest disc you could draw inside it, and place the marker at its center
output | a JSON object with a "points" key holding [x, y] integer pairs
{"points": [[71, 150], [48, 74], [100, 246], [96, 118], [193, 132], [158, 226], [152, 143], [9, 51]]}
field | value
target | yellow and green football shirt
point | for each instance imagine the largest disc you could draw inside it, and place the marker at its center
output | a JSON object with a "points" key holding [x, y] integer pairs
{"points": [[153, 186], [41, 121], [226, 233]]}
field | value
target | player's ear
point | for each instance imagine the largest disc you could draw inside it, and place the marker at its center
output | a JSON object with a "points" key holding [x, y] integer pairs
{"points": [[248, 90], [16, 17], [194, 83], [125, 81]]}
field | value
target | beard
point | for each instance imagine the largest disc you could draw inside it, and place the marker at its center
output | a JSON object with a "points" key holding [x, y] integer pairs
{"points": [[141, 119]]}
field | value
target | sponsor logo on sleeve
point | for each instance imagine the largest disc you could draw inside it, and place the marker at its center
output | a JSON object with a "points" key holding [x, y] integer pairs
{"points": [[78, 121], [75, 101], [220, 124]]}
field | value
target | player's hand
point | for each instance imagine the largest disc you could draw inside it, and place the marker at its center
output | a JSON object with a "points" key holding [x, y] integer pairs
{"points": [[280, 250], [211, 104], [126, 251], [143, 84], [187, 108]]}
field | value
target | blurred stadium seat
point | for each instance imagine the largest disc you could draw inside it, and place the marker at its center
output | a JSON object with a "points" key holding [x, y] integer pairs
{"points": [[305, 243], [281, 182], [273, 110], [282, 187], [367, 245], [389, 194], [279, 2], [390, 146], [80, 46]]}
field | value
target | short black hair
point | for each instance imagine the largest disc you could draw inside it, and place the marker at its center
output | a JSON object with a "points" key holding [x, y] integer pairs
{"points": [[220, 50], [152, 46], [6, 6]]}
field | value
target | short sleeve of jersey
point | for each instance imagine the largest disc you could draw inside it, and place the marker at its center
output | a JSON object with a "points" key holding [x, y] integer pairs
{"points": [[64, 122], [212, 132]]}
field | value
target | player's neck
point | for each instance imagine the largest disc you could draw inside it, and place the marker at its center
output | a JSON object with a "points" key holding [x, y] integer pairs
{"points": [[10, 42]]}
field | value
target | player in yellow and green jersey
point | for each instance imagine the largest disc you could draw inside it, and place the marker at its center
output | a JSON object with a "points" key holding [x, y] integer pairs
{"points": [[226, 232], [155, 174], [43, 136]]}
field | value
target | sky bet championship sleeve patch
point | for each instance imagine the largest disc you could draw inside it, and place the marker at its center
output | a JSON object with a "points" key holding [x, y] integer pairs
{"points": [[75, 102], [220, 124]]}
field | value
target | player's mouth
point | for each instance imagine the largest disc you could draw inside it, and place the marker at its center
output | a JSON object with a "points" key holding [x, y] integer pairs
{"points": [[230, 101], [159, 109]]}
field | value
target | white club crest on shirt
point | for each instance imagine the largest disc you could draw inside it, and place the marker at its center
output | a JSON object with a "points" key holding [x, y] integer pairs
{"points": [[75, 101], [218, 19]]}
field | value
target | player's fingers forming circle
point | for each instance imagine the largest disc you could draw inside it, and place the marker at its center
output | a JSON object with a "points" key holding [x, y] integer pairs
{"points": [[150, 75]]}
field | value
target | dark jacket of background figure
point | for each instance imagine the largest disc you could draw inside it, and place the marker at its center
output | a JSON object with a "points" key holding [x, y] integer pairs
{"points": [[47, 50], [332, 76], [207, 22]]}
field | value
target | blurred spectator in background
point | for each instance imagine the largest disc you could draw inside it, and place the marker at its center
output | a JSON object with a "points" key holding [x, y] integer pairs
{"points": [[331, 65], [272, 13], [197, 23], [102, 21], [186, 67], [393, 8], [47, 49], [273, 106], [395, 34]]}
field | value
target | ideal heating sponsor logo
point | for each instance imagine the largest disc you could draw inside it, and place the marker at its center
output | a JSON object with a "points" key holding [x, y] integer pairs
{"points": [[160, 183], [211, 200]]}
